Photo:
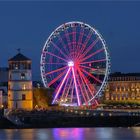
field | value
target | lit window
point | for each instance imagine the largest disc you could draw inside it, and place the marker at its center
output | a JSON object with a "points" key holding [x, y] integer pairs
{"points": [[24, 87], [16, 66]]}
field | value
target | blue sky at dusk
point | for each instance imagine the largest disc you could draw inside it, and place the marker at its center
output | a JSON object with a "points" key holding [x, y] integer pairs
{"points": [[27, 25]]}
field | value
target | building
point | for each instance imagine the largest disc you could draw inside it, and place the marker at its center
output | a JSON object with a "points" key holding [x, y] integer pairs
{"points": [[20, 94], [3, 97], [42, 97], [123, 88], [38, 84], [3, 86]]}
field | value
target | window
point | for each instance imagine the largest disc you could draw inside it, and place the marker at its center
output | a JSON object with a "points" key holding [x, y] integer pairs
{"points": [[24, 87], [22, 76], [16, 66], [23, 97], [22, 66]]}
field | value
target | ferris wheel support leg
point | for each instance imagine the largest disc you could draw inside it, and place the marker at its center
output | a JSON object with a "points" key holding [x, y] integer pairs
{"points": [[59, 89], [77, 94]]}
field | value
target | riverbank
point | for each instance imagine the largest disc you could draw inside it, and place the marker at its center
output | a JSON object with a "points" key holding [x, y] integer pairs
{"points": [[114, 121], [70, 118]]}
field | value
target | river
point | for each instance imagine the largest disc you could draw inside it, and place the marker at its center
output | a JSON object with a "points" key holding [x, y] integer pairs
{"points": [[71, 134]]}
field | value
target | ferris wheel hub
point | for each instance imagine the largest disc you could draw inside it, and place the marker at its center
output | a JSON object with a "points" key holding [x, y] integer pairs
{"points": [[70, 63]]}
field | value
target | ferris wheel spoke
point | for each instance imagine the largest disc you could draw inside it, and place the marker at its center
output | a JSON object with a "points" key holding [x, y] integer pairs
{"points": [[70, 84], [89, 74], [89, 56], [81, 89], [63, 44], [56, 56], [85, 43], [74, 40], [80, 37], [56, 78], [89, 48], [53, 63], [89, 90], [88, 68], [86, 88], [86, 81], [94, 61], [76, 88], [57, 70], [60, 87], [65, 87], [92, 69], [72, 92], [69, 42], [79, 43], [60, 50]]}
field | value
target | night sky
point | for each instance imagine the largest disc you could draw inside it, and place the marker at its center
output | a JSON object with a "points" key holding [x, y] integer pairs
{"points": [[27, 25]]}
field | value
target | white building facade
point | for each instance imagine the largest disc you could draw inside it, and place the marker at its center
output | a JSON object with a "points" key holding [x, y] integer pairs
{"points": [[20, 95]]}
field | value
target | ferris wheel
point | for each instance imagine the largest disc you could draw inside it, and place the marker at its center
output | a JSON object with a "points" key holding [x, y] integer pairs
{"points": [[75, 63]]}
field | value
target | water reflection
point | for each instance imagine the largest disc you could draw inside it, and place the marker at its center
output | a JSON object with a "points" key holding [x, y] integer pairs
{"points": [[136, 131], [71, 134], [68, 133]]}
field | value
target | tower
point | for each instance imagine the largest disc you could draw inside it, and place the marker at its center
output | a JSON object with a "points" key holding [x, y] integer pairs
{"points": [[20, 83]]}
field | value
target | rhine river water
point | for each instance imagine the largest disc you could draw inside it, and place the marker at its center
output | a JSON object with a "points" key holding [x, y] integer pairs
{"points": [[71, 134]]}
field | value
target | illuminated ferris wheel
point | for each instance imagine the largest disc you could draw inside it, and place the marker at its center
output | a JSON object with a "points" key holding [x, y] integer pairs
{"points": [[75, 63]]}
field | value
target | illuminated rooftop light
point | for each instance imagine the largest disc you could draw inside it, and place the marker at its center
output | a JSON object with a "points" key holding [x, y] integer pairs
{"points": [[70, 63]]}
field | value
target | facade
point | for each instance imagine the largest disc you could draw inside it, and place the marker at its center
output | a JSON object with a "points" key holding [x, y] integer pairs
{"points": [[42, 97], [20, 94], [3, 97], [3, 86], [123, 87]]}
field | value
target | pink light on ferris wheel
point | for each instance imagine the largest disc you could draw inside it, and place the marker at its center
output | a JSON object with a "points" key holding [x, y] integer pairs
{"points": [[75, 62], [59, 89], [76, 88]]}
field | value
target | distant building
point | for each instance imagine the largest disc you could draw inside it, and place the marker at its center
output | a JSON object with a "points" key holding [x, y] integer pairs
{"points": [[3, 86], [123, 87], [42, 97], [3, 97], [37, 84], [3, 75], [20, 83]]}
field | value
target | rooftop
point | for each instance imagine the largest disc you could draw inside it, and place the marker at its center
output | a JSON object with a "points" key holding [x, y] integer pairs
{"points": [[119, 74], [19, 57]]}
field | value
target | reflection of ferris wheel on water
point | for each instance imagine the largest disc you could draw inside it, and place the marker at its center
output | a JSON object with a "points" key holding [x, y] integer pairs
{"points": [[75, 62]]}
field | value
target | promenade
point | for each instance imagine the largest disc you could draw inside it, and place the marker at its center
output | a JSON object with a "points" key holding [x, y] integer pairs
{"points": [[68, 117]]}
